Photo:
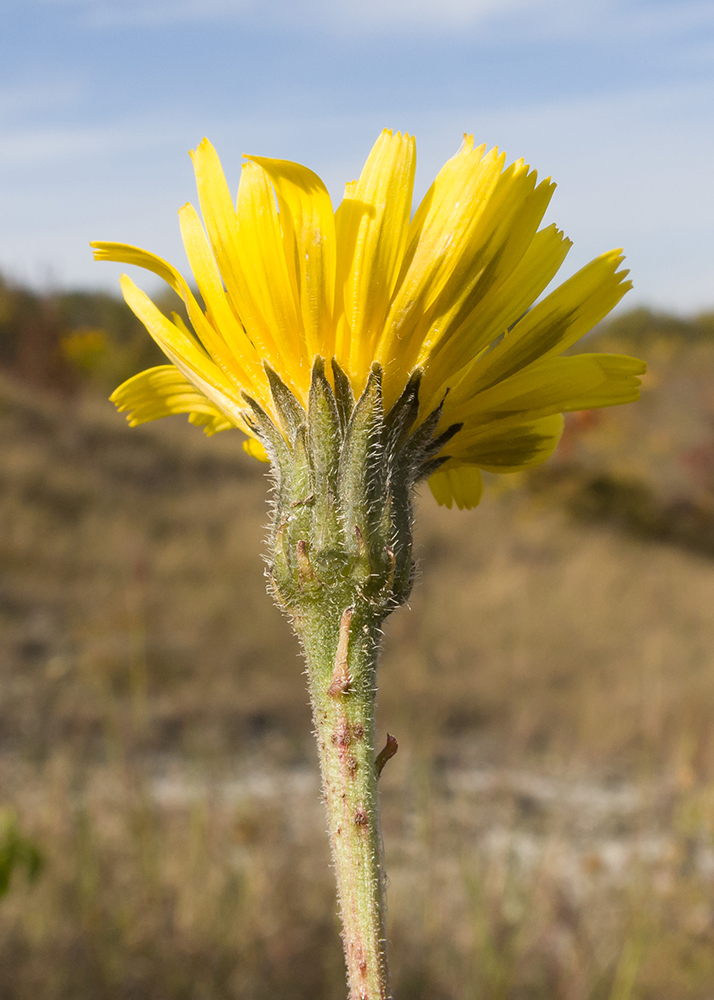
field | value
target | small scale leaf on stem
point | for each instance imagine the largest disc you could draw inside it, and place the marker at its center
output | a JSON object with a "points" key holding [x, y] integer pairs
{"points": [[341, 680], [306, 574], [386, 753]]}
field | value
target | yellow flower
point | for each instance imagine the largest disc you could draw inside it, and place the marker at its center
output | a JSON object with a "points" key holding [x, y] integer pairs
{"points": [[450, 291], [84, 347]]}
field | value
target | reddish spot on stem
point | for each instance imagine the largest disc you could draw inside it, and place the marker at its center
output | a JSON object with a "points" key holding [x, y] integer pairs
{"points": [[361, 817], [343, 736]]}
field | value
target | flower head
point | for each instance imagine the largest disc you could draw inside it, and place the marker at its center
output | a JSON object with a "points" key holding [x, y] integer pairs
{"points": [[448, 292]]}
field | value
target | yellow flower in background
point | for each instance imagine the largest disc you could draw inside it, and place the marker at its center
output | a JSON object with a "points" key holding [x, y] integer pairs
{"points": [[85, 348], [449, 291]]}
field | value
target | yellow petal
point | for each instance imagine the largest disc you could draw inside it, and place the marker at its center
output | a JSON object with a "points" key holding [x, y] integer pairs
{"points": [[372, 225], [163, 391], [555, 323], [191, 360], [269, 299], [203, 265], [124, 253], [308, 226], [499, 224], [498, 243], [499, 310], [236, 368], [255, 449], [345, 239], [439, 235], [583, 382], [461, 485], [509, 445], [233, 255]]}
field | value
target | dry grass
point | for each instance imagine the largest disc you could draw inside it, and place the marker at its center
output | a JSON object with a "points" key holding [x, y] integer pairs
{"points": [[549, 819]]}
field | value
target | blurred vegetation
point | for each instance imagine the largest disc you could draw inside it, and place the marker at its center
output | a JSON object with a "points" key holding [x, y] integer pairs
{"points": [[17, 852], [640, 328], [549, 818], [52, 340], [646, 469]]}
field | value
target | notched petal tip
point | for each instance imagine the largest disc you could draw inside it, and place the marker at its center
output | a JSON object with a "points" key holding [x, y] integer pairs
{"points": [[203, 146], [459, 484], [255, 450], [110, 250]]}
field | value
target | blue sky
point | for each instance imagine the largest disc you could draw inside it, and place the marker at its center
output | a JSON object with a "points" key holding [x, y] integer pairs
{"points": [[101, 99]]}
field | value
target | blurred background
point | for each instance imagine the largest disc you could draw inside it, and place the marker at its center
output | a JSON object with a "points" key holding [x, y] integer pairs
{"points": [[549, 818]]}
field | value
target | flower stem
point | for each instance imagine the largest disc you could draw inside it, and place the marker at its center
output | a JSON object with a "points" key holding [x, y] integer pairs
{"points": [[340, 562], [341, 651]]}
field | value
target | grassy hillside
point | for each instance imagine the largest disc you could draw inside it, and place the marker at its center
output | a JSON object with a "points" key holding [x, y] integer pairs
{"points": [[549, 818]]}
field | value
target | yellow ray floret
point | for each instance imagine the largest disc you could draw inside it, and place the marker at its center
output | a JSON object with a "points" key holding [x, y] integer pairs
{"points": [[453, 291], [458, 484], [162, 392]]}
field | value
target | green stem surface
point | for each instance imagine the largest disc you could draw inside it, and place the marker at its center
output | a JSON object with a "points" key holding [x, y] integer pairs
{"points": [[340, 560], [341, 652]]}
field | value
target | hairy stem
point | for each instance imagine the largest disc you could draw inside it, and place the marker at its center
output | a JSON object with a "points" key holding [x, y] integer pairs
{"points": [[341, 652], [341, 561]]}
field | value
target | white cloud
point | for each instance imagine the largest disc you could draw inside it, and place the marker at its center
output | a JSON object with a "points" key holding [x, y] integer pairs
{"points": [[111, 13], [502, 19], [69, 144], [445, 15], [108, 13]]}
